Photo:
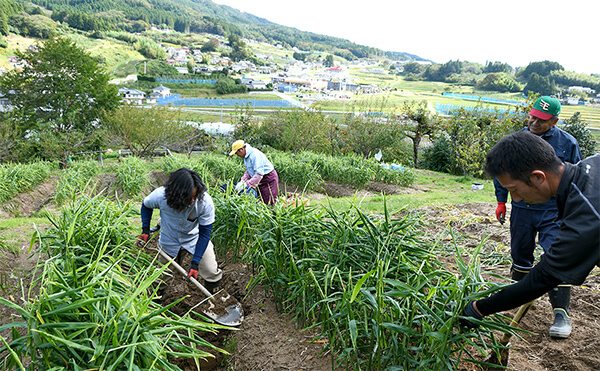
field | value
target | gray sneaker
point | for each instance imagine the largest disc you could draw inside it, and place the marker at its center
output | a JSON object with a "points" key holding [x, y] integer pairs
{"points": [[561, 328]]}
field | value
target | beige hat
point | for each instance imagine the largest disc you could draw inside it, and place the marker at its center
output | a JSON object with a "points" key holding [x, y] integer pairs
{"points": [[235, 146]]}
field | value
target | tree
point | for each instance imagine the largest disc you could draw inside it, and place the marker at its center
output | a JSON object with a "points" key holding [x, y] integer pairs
{"points": [[210, 45], [328, 61], [414, 68], [473, 132], [501, 82], [497, 67], [366, 134], [60, 86], [143, 130], [420, 122], [190, 65], [299, 56], [540, 84], [33, 25], [541, 68]]}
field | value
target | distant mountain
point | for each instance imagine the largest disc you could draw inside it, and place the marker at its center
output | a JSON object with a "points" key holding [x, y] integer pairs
{"points": [[205, 16]]}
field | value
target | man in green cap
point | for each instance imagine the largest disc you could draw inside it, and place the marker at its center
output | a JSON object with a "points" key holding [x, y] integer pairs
{"points": [[528, 220]]}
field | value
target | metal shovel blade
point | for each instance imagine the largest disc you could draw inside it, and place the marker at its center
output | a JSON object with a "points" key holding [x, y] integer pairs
{"points": [[222, 308]]}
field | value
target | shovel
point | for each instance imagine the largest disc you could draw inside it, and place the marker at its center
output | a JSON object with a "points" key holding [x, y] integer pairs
{"points": [[501, 357], [223, 308]]}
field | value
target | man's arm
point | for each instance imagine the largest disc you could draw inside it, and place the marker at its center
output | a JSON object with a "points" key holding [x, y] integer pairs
{"points": [[535, 284], [500, 192]]}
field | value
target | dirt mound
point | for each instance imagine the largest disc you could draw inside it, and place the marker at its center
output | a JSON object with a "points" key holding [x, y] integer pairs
{"points": [[29, 203]]}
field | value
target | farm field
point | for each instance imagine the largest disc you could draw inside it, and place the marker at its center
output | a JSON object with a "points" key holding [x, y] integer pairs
{"points": [[451, 213]]}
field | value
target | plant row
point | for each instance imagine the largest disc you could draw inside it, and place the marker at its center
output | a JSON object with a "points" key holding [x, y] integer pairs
{"points": [[94, 309], [18, 178], [379, 294]]}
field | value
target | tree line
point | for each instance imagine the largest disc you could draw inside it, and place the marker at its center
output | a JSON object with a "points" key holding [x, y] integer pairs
{"points": [[543, 77]]}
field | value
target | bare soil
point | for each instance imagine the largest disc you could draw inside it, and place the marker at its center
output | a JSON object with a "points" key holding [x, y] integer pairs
{"points": [[269, 340]]}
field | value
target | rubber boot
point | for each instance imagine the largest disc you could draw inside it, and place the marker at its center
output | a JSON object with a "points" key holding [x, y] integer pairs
{"points": [[517, 273], [212, 287], [560, 298]]}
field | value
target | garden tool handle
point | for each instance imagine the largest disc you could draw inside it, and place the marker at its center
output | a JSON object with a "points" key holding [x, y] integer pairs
{"points": [[523, 309], [182, 271]]}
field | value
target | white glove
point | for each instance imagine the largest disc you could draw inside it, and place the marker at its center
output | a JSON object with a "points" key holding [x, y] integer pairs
{"points": [[240, 186]]}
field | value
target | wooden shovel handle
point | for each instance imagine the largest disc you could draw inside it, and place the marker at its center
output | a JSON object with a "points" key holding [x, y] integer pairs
{"points": [[516, 320], [182, 271]]}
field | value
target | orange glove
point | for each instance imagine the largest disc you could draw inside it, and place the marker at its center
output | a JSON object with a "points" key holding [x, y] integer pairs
{"points": [[193, 271], [142, 240], [501, 211]]}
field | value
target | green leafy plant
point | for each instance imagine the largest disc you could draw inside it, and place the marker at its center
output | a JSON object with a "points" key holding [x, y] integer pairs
{"points": [[585, 138], [94, 308], [380, 296], [75, 180], [132, 176], [18, 178]]}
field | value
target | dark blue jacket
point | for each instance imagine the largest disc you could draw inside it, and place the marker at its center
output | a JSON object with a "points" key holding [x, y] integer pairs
{"points": [[566, 148]]}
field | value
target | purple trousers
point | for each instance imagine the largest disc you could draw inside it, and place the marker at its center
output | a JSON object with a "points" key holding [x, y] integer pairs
{"points": [[269, 187]]}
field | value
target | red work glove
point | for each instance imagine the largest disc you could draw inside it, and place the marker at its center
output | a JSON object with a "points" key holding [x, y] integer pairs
{"points": [[142, 240], [193, 270], [501, 211]]}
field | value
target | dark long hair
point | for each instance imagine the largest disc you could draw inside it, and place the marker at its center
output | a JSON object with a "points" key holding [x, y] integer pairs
{"points": [[180, 188]]}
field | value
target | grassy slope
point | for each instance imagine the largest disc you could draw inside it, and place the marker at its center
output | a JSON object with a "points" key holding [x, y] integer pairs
{"points": [[429, 188]]}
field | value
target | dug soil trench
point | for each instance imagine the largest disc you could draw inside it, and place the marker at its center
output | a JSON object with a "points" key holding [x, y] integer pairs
{"points": [[269, 340]]}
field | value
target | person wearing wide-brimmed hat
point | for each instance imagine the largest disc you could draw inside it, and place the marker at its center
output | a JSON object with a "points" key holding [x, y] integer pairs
{"points": [[528, 221], [260, 172]]}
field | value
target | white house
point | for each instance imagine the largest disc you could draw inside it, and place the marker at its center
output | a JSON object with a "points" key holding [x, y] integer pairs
{"points": [[132, 95], [573, 101], [583, 89], [258, 85], [161, 91]]}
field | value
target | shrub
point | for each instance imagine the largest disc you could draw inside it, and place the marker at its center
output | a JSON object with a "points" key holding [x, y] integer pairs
{"points": [[438, 157], [474, 132], [585, 138]]}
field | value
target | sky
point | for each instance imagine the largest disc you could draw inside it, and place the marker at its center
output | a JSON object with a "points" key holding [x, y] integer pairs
{"points": [[516, 32]]}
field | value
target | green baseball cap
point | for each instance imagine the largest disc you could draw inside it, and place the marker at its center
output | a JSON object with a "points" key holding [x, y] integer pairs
{"points": [[545, 107]]}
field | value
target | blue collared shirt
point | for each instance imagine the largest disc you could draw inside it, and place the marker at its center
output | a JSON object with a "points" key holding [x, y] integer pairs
{"points": [[256, 162], [179, 229], [566, 148]]}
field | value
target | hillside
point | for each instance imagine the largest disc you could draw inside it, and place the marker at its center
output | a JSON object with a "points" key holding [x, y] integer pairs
{"points": [[198, 16]]}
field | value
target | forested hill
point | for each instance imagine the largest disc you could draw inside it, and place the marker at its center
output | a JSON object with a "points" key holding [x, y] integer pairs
{"points": [[199, 16]]}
